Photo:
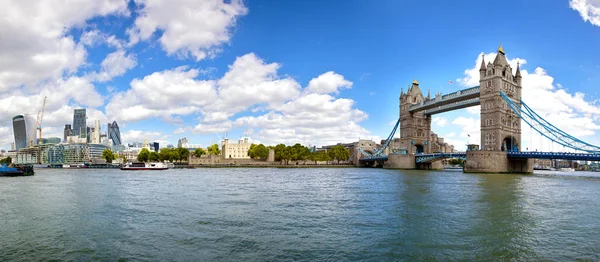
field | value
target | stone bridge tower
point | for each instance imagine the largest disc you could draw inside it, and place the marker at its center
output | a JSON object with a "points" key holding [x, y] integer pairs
{"points": [[500, 126], [414, 127]]}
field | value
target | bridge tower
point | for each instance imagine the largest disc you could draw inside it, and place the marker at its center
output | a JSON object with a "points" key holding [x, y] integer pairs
{"points": [[414, 127], [500, 126]]}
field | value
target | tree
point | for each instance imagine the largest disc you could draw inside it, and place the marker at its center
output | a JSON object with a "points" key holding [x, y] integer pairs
{"points": [[199, 152], [258, 151], [108, 155], [299, 152], [338, 153], [214, 150], [251, 153], [279, 151], [164, 154], [184, 153], [153, 157], [319, 156], [7, 160], [143, 155], [174, 155]]}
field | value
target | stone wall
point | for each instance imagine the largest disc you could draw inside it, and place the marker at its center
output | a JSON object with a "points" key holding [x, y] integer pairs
{"points": [[406, 161], [495, 162]]}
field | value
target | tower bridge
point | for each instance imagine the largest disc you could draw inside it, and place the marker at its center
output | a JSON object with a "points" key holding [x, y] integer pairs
{"points": [[499, 95]]}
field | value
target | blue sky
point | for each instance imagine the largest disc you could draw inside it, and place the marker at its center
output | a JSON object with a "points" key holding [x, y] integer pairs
{"points": [[195, 68]]}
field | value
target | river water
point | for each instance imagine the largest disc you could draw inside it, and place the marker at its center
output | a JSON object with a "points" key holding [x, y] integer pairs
{"points": [[233, 214]]}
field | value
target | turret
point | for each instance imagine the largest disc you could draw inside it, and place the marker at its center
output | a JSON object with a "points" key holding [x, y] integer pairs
{"points": [[518, 74], [482, 68]]}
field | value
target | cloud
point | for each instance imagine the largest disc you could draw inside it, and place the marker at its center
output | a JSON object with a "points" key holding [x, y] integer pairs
{"points": [[38, 49], [329, 82], [188, 28], [570, 112], [280, 105], [589, 10], [115, 64], [131, 136], [439, 121], [95, 37], [162, 94]]}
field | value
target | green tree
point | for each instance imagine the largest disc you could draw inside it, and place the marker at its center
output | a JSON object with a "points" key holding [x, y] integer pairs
{"points": [[258, 151], [174, 155], [339, 153], [184, 154], [251, 152], [279, 151], [7, 160], [153, 157], [143, 155], [199, 152], [124, 159], [108, 155], [214, 150], [164, 154], [299, 152], [319, 156]]}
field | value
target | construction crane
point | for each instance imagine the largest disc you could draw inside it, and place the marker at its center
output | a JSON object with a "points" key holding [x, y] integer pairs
{"points": [[39, 122]]}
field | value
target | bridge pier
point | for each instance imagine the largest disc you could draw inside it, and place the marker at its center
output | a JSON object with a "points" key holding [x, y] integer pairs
{"points": [[406, 161], [437, 165], [484, 161]]}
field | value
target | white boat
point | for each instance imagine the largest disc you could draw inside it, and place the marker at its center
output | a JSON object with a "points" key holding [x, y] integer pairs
{"points": [[145, 166], [567, 169]]}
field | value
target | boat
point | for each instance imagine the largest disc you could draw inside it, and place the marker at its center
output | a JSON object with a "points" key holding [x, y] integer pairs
{"points": [[145, 166], [16, 170], [567, 169], [74, 166]]}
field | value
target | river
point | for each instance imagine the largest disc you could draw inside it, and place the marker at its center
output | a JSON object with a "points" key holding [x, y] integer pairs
{"points": [[269, 214]]}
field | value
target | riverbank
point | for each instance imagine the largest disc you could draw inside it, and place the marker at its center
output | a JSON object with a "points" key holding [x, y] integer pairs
{"points": [[262, 166]]}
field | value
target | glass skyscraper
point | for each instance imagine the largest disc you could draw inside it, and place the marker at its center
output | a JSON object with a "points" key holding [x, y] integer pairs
{"points": [[114, 133], [79, 123], [24, 131]]}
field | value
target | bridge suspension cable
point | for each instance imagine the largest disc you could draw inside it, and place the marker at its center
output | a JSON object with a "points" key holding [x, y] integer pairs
{"points": [[379, 152], [546, 129]]}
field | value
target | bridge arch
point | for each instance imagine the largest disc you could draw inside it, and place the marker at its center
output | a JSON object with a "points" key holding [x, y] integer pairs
{"points": [[419, 149], [510, 144]]}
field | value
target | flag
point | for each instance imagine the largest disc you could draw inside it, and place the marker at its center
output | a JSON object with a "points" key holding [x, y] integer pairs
{"points": [[449, 81]]}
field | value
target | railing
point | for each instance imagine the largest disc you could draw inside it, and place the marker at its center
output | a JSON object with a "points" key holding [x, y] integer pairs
{"points": [[548, 130], [555, 155], [425, 158]]}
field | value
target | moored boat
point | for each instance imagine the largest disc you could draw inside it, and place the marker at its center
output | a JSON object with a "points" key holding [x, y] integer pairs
{"points": [[145, 166], [16, 170]]}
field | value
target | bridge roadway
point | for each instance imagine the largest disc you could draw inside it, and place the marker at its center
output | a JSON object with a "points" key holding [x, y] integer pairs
{"points": [[453, 101], [428, 158]]}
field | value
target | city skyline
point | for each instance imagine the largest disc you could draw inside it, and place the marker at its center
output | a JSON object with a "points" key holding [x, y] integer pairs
{"points": [[286, 72]]}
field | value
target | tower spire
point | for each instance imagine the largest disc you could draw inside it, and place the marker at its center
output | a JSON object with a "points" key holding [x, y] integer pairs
{"points": [[518, 73], [482, 67], [500, 49]]}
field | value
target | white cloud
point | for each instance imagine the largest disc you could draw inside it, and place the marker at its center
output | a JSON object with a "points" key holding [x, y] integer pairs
{"points": [[329, 82], [131, 136], [439, 121], [588, 9], [38, 49], [163, 94], [94, 37], [115, 64], [250, 83], [188, 27]]}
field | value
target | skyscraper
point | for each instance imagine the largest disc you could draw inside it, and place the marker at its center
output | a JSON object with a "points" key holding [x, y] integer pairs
{"points": [[67, 132], [24, 131], [79, 123], [114, 133]]}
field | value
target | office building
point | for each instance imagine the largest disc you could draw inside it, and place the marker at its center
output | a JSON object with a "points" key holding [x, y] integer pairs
{"points": [[95, 133], [79, 123], [67, 132], [114, 134], [24, 131]]}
